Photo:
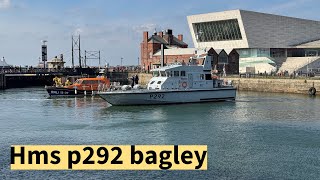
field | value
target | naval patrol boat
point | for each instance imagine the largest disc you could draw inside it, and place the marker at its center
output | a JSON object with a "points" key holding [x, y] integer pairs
{"points": [[176, 84]]}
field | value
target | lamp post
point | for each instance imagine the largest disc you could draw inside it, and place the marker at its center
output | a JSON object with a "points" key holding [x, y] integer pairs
{"points": [[308, 67], [121, 61]]}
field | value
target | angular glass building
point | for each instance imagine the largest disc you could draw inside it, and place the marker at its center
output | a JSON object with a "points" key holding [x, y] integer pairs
{"points": [[265, 42]]}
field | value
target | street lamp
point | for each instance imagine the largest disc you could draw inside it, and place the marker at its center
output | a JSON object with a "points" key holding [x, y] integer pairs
{"points": [[308, 67], [121, 61]]}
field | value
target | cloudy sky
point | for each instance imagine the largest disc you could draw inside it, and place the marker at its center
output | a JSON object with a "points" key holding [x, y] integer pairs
{"points": [[112, 26]]}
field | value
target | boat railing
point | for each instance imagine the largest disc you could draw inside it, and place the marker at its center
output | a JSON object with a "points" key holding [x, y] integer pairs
{"points": [[113, 86]]}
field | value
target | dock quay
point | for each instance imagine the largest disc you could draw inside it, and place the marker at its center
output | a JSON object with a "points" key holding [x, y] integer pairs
{"points": [[280, 85]]}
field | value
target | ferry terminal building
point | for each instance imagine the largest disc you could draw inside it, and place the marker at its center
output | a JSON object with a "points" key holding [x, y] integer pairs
{"points": [[263, 43]]}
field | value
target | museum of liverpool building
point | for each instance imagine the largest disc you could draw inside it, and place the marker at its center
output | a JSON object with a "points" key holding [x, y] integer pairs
{"points": [[240, 41], [265, 42]]}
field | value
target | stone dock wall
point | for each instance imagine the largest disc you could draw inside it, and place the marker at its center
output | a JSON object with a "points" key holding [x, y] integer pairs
{"points": [[300, 86], [143, 77]]}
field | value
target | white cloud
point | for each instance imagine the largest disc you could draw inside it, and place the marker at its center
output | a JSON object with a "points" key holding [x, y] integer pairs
{"points": [[145, 27], [4, 4]]}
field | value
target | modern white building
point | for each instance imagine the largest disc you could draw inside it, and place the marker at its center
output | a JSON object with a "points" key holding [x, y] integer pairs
{"points": [[265, 42]]}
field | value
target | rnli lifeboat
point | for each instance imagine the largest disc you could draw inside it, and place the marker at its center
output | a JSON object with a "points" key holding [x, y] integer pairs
{"points": [[81, 87]]}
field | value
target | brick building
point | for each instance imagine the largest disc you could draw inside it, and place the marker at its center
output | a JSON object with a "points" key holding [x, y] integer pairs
{"points": [[151, 45], [175, 50]]}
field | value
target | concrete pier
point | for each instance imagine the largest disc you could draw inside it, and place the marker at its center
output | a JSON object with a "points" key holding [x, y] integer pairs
{"points": [[300, 86]]}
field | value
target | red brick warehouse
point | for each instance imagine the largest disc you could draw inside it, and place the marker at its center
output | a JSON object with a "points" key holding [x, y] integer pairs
{"points": [[151, 45], [175, 50]]}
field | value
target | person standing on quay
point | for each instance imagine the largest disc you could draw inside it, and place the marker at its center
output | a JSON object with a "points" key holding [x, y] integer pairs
{"points": [[136, 79], [132, 81]]}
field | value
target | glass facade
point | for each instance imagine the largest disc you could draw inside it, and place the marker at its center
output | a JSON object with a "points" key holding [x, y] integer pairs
{"points": [[278, 52], [218, 30], [248, 53], [258, 52]]}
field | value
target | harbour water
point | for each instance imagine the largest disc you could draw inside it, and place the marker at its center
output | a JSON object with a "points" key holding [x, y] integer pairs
{"points": [[259, 136]]}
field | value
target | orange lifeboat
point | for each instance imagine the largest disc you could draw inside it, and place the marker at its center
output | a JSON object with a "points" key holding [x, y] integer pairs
{"points": [[90, 84], [81, 87]]}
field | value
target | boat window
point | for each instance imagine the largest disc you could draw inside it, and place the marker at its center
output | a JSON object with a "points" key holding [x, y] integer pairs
{"points": [[208, 76], [163, 73], [176, 73], [183, 73], [202, 76], [86, 82], [159, 82], [155, 73], [152, 82], [168, 73], [95, 82], [78, 81]]}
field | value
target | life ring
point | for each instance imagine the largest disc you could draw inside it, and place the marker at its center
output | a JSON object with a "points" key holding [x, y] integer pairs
{"points": [[312, 91], [184, 84]]}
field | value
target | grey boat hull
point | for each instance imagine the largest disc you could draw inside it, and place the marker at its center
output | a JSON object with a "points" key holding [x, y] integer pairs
{"points": [[145, 97]]}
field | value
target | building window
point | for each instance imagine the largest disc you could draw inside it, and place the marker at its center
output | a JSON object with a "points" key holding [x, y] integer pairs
{"points": [[263, 53], [277, 52], [218, 30]]}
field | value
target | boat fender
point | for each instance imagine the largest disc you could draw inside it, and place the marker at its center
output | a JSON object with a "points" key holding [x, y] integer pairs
{"points": [[215, 77], [126, 87], [312, 91], [184, 84]]}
